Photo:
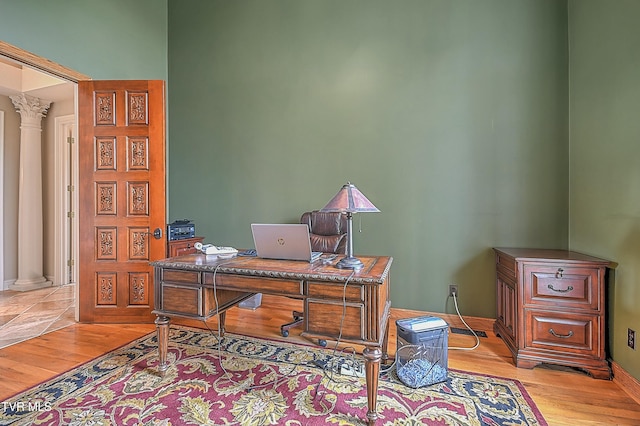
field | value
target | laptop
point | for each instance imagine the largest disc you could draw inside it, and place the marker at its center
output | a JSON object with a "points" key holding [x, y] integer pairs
{"points": [[283, 241]]}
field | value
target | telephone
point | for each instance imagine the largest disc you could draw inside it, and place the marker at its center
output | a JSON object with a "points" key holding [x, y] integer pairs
{"points": [[211, 249]]}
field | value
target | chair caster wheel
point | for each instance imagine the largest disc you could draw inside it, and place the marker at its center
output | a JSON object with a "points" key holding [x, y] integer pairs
{"points": [[285, 333], [322, 343]]}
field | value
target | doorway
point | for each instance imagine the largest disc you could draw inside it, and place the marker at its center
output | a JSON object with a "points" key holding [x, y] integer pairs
{"points": [[58, 84]]}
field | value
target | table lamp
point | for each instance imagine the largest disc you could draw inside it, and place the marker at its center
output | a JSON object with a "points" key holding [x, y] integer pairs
{"points": [[349, 200]]}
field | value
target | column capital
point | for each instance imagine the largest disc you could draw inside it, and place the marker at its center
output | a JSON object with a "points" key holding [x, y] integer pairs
{"points": [[30, 107]]}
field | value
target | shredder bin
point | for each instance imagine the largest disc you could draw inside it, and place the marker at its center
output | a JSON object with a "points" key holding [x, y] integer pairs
{"points": [[422, 351]]}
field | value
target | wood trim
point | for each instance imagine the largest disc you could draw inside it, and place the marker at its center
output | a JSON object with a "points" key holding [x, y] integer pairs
{"points": [[626, 381], [40, 63]]}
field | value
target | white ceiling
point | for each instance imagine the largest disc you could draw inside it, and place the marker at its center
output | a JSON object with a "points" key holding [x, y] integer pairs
{"points": [[16, 78]]}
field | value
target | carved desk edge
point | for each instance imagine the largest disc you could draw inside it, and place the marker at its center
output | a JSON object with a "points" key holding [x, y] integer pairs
{"points": [[176, 263]]}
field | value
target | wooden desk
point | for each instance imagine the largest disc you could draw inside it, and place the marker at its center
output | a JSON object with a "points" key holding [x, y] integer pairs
{"points": [[184, 287]]}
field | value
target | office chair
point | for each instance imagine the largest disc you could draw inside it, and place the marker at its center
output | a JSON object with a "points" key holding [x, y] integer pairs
{"points": [[328, 234]]}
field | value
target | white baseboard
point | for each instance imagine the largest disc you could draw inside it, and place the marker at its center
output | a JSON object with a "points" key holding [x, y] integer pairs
{"points": [[7, 284]]}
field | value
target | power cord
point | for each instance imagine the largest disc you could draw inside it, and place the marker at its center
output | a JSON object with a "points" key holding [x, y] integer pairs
{"points": [[337, 364], [278, 376], [339, 360], [455, 302]]}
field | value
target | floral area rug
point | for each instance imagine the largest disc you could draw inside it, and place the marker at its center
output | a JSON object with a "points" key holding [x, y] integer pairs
{"points": [[241, 380]]}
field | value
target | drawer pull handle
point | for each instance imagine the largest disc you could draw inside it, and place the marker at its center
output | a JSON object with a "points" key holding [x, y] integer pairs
{"points": [[559, 273], [561, 336], [569, 288]]}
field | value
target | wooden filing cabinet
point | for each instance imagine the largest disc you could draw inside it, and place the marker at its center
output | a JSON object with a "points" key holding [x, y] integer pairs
{"points": [[182, 247], [551, 308]]}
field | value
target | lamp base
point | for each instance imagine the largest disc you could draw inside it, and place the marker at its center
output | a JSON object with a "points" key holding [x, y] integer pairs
{"points": [[350, 263]]}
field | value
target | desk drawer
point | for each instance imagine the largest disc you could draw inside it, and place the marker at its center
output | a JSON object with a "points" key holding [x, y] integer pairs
{"points": [[197, 301], [173, 275], [324, 290], [185, 300], [255, 284], [325, 318]]}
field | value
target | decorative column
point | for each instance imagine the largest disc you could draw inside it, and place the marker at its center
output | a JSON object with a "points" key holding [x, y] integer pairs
{"points": [[30, 216]]}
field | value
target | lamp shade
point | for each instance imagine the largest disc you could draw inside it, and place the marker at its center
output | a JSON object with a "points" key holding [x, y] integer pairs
{"points": [[350, 199]]}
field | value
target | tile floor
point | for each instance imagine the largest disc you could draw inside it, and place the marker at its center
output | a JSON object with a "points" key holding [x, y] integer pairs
{"points": [[28, 314]]}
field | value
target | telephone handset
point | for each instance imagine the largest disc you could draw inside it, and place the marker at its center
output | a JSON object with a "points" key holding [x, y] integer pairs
{"points": [[212, 249]]}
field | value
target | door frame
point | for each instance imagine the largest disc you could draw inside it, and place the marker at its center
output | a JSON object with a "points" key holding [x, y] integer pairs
{"points": [[40, 63], [1, 200], [66, 199]]}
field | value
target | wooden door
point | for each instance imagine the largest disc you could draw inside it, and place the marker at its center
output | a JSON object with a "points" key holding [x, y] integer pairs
{"points": [[121, 136]]}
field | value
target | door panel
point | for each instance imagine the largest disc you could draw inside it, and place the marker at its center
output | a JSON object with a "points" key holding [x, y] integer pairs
{"points": [[121, 138]]}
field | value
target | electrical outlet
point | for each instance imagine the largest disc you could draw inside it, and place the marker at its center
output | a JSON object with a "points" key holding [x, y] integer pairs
{"points": [[453, 288], [631, 338]]}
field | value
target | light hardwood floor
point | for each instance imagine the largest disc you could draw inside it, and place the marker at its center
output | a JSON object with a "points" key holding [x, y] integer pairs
{"points": [[564, 396]]}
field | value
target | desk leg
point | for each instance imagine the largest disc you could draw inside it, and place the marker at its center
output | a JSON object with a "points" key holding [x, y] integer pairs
{"points": [[162, 328], [222, 316], [385, 346], [372, 357]]}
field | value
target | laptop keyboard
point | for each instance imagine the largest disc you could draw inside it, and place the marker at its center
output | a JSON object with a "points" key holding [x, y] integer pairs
{"points": [[315, 255]]}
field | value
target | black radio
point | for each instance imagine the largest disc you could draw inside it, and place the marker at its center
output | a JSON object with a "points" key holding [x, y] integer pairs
{"points": [[181, 229]]}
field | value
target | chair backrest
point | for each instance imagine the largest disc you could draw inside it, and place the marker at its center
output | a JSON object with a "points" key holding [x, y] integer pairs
{"points": [[327, 231]]}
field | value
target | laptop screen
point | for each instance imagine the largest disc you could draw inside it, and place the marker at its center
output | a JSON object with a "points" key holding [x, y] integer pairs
{"points": [[283, 241]]}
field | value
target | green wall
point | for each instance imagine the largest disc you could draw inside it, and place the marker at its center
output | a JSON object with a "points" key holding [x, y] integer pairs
{"points": [[114, 39], [605, 154], [450, 116]]}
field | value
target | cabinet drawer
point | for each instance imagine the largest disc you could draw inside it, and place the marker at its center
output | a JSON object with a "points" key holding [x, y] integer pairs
{"points": [[182, 251], [558, 331], [173, 275], [562, 286], [325, 318], [324, 290], [256, 284], [183, 247]]}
